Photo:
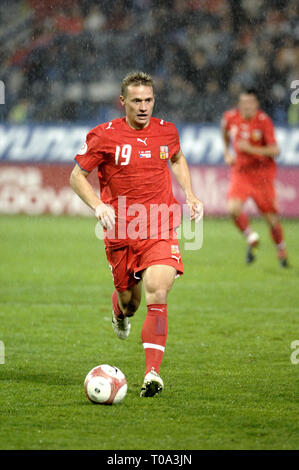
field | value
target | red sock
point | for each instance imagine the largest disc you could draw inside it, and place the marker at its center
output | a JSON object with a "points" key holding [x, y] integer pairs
{"points": [[242, 222], [276, 233], [153, 335], [277, 236], [116, 307]]}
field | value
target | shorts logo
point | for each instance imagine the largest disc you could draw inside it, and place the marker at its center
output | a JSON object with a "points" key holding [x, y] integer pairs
{"points": [[164, 152], [175, 250], [145, 154], [83, 149]]}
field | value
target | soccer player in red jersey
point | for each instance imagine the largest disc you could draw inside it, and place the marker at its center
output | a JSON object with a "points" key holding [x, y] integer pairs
{"points": [[131, 155], [253, 170]]}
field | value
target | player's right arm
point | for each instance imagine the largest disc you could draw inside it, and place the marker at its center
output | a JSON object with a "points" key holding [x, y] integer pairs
{"points": [[229, 158], [82, 187], [79, 183], [88, 158]]}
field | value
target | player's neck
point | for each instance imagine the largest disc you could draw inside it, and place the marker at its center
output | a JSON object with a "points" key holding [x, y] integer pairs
{"points": [[136, 126], [247, 117]]}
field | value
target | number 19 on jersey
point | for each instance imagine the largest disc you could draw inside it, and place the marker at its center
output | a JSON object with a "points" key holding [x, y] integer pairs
{"points": [[124, 153]]}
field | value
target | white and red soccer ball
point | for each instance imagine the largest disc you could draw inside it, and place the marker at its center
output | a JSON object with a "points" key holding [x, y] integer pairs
{"points": [[105, 385]]}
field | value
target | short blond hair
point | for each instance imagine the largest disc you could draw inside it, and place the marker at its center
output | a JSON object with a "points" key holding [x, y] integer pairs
{"points": [[136, 79]]}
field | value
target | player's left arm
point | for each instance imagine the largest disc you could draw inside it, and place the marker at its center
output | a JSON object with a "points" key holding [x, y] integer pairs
{"points": [[270, 151], [181, 173], [270, 148]]}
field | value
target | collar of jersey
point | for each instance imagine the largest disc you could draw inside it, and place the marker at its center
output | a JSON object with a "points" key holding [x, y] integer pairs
{"points": [[144, 130]]}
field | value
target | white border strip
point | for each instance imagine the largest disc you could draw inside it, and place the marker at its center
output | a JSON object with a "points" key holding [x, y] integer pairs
{"points": [[153, 346]]}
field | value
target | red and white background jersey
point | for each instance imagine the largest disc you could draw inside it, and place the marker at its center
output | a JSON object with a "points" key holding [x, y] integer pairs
{"points": [[258, 131], [133, 172]]}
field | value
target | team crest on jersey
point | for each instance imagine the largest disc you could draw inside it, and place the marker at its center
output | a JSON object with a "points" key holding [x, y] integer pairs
{"points": [[244, 135], [164, 152], [145, 154], [256, 134]]}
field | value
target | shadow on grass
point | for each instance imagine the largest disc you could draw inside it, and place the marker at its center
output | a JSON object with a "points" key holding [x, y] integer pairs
{"points": [[41, 378]]}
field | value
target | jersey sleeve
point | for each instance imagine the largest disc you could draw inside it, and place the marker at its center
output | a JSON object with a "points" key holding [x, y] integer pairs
{"points": [[269, 132], [176, 142], [225, 121], [90, 155]]}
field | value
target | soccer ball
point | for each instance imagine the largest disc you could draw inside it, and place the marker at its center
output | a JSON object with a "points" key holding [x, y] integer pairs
{"points": [[105, 385]]}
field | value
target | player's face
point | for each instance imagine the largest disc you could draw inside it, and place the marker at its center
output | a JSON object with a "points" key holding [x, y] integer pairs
{"points": [[139, 103], [248, 105]]}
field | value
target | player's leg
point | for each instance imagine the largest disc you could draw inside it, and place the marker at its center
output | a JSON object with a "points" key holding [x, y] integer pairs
{"points": [[265, 198], [240, 189], [157, 281], [241, 220], [159, 262], [276, 233], [127, 294], [124, 305]]}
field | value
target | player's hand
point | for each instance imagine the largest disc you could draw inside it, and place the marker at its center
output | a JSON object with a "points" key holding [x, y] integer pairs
{"points": [[244, 146], [105, 215], [229, 159], [196, 208]]}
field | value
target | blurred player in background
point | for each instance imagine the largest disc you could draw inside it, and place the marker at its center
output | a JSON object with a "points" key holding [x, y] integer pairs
{"points": [[132, 156], [253, 170]]}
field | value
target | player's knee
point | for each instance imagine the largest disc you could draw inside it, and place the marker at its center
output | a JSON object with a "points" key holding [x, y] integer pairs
{"points": [[130, 307], [160, 295], [272, 219], [234, 207]]}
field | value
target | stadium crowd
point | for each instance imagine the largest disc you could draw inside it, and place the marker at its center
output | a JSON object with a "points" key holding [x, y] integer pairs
{"points": [[63, 60]]}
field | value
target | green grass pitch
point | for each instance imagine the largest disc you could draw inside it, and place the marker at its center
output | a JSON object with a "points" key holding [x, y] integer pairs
{"points": [[229, 379]]}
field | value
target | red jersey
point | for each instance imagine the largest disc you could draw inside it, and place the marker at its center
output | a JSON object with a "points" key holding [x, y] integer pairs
{"points": [[133, 170], [259, 131]]}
